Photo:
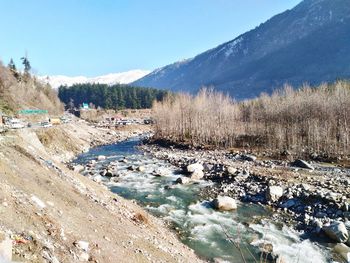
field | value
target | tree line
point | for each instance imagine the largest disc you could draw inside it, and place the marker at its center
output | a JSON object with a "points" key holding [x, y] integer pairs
{"points": [[117, 96], [305, 122]]}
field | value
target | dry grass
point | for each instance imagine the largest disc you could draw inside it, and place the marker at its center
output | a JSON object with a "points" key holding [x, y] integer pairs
{"points": [[305, 121], [26, 93]]}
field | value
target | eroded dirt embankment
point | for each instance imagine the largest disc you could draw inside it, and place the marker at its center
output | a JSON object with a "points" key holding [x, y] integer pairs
{"points": [[49, 213]]}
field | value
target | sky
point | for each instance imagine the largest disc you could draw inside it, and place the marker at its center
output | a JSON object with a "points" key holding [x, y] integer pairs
{"points": [[97, 37]]}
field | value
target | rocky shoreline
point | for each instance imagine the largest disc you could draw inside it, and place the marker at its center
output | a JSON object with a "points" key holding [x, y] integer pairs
{"points": [[53, 214], [311, 197]]}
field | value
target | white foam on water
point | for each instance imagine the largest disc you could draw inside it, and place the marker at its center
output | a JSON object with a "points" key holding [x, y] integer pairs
{"points": [[287, 244], [172, 198]]}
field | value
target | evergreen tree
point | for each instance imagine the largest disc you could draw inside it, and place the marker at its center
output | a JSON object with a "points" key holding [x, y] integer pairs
{"points": [[26, 64], [12, 65], [13, 69], [111, 97]]}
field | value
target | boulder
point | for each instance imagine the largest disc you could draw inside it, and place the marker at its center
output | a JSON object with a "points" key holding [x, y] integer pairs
{"points": [[101, 157], [194, 167], [274, 193], [302, 164], [231, 170], [97, 178], [78, 168], [343, 251], [248, 157], [337, 232], [109, 174], [141, 168], [183, 180], [161, 172], [197, 175], [224, 203]]}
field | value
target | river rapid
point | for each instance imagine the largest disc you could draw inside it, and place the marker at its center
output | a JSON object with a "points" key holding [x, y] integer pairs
{"points": [[235, 236]]}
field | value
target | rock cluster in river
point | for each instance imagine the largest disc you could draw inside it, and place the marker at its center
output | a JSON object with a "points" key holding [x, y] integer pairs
{"points": [[307, 196]]}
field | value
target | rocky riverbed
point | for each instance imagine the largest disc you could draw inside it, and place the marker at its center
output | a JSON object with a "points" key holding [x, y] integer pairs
{"points": [[310, 197], [280, 208]]}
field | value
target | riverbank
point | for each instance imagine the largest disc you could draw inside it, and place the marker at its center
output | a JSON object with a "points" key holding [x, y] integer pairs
{"points": [[306, 196], [50, 213]]}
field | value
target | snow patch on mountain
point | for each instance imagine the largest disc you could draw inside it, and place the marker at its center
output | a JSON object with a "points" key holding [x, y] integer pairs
{"points": [[109, 79]]}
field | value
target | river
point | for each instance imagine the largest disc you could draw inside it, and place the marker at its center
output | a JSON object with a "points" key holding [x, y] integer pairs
{"points": [[236, 236]]}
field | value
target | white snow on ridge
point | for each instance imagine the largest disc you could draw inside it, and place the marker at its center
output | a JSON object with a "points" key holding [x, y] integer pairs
{"points": [[109, 79]]}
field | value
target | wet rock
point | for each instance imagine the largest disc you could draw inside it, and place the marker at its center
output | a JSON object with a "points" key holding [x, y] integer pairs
{"points": [[183, 180], [337, 231], [224, 203], [194, 167], [161, 172], [274, 193], [109, 174], [302, 164]]}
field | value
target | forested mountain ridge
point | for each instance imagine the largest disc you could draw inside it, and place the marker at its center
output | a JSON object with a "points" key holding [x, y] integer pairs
{"points": [[309, 43], [110, 97]]}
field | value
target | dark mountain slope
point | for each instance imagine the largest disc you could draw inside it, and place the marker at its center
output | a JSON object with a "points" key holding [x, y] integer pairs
{"points": [[309, 43]]}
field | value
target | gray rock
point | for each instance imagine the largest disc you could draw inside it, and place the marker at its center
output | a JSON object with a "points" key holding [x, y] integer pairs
{"points": [[274, 193], [302, 164], [141, 168], [231, 170], [194, 167], [248, 157], [78, 168], [343, 251], [337, 232], [224, 203], [183, 180], [197, 175]]}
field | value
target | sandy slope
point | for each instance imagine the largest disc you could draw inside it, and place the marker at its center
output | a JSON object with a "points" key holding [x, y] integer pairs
{"points": [[45, 207]]}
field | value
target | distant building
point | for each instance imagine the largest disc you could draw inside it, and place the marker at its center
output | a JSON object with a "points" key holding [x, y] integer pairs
{"points": [[85, 106]]}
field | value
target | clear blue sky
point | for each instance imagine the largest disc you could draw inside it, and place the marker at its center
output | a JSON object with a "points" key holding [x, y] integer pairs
{"points": [[95, 37]]}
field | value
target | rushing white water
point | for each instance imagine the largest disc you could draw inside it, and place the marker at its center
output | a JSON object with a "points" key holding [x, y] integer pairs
{"points": [[287, 244], [229, 236]]}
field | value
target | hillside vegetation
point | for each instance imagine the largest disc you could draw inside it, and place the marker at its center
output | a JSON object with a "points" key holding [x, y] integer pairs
{"points": [[110, 97], [22, 91], [305, 122]]}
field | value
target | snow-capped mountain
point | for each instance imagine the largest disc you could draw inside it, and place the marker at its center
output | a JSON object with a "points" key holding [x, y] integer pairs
{"points": [[307, 44], [109, 79]]}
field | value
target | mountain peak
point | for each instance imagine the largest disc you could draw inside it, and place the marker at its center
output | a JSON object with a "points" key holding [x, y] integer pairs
{"points": [[294, 47], [110, 79]]}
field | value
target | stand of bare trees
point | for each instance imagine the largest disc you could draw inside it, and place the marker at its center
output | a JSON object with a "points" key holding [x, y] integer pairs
{"points": [[304, 121]]}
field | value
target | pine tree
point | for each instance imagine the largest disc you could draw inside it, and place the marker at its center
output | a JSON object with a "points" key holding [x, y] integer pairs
{"points": [[12, 65], [13, 69], [26, 65]]}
